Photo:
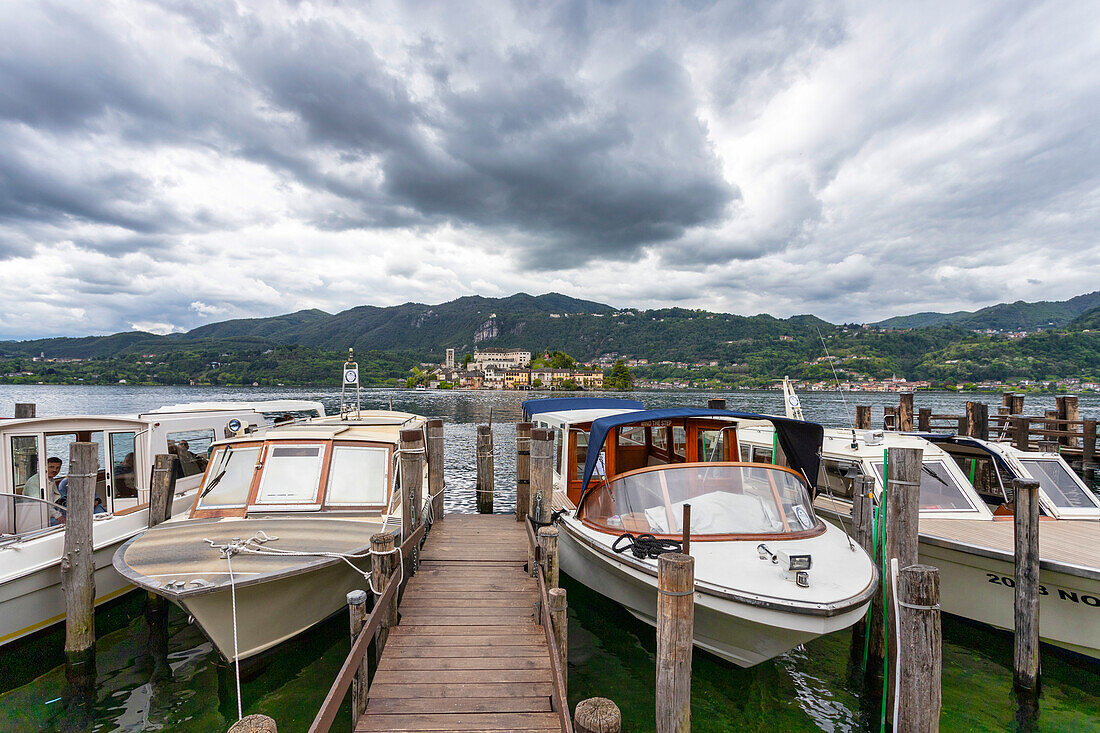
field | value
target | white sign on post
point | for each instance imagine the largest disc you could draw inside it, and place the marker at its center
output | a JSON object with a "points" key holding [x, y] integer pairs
{"points": [[351, 376]]}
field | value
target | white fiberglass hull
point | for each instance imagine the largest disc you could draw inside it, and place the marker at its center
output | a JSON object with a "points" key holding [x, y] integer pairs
{"points": [[272, 612], [739, 632], [30, 581], [981, 588]]}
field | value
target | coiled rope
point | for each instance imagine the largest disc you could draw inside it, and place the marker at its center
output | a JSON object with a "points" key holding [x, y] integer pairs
{"points": [[645, 546]]}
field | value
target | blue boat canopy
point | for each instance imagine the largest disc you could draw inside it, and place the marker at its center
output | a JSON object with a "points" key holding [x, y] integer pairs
{"points": [[534, 407], [801, 441]]}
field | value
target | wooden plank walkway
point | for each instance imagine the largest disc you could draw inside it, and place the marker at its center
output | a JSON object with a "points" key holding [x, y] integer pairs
{"points": [[467, 655]]}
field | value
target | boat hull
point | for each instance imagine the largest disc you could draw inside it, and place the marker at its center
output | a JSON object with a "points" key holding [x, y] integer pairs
{"points": [[272, 612], [1069, 605], [740, 633]]}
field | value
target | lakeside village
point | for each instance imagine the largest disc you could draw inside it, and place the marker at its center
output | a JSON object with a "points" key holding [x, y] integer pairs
{"points": [[514, 369]]}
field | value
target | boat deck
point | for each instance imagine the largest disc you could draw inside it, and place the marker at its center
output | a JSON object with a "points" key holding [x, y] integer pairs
{"points": [[1072, 545], [467, 655]]}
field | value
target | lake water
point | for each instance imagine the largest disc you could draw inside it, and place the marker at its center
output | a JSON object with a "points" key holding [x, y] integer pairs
{"points": [[155, 676]]}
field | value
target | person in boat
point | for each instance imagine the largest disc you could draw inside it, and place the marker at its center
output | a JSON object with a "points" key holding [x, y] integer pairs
{"points": [[63, 499], [32, 486]]}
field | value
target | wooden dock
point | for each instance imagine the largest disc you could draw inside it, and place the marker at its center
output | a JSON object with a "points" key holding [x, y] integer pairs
{"points": [[468, 654]]}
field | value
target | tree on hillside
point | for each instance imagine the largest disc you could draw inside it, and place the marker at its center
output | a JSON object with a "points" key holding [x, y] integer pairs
{"points": [[618, 377], [555, 360]]}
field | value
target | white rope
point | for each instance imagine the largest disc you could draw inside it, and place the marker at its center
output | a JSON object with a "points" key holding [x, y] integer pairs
{"points": [[897, 636], [236, 652]]}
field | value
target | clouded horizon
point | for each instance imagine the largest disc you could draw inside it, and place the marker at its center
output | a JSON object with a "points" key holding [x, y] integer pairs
{"points": [[167, 164]]}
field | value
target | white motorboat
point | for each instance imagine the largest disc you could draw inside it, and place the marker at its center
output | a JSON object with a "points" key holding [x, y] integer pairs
{"points": [[967, 532], [279, 531], [769, 575], [33, 487]]}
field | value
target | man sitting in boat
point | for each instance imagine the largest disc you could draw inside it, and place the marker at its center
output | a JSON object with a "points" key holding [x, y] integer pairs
{"points": [[31, 486]]}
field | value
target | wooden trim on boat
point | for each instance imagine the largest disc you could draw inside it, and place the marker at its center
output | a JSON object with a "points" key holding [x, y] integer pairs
{"points": [[769, 602]]}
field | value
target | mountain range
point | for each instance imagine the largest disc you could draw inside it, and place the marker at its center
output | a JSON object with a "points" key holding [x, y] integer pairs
{"points": [[1004, 317]]}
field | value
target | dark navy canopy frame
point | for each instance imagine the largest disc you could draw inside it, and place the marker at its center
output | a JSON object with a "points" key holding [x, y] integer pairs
{"points": [[801, 441], [534, 407], [969, 442]]}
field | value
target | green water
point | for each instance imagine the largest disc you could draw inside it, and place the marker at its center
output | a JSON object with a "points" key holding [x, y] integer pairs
{"points": [[164, 675]]}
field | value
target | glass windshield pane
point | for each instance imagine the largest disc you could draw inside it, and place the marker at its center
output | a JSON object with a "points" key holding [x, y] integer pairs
{"points": [[939, 489], [725, 499], [631, 436], [190, 447], [230, 477], [291, 474], [1062, 488], [712, 445], [582, 455], [23, 515], [358, 475]]}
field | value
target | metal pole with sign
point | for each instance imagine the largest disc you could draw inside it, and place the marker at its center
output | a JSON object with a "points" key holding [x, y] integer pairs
{"points": [[351, 379]]}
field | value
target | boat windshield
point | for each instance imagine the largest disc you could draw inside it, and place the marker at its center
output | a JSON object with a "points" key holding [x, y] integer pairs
{"points": [[229, 477], [1060, 486], [940, 489], [725, 498]]}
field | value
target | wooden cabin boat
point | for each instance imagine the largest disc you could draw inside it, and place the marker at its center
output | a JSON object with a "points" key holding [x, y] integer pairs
{"points": [[35, 464], [279, 531], [968, 533], [769, 574]]}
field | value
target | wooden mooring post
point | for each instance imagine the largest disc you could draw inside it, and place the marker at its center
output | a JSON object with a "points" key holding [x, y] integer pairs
{"points": [[863, 417], [1025, 658], [24, 410], [523, 468], [1021, 432], [1068, 415], [78, 563], [863, 523], [357, 614], [920, 695], [924, 419], [548, 550], [597, 715], [903, 472], [905, 412], [1017, 404], [485, 468], [977, 420], [433, 431], [383, 561], [163, 489], [559, 619], [716, 403], [1088, 440], [254, 724], [675, 633], [542, 482], [412, 484]]}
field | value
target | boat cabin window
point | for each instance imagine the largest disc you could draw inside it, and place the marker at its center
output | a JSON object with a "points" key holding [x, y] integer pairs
{"points": [[359, 475], [190, 447], [939, 489], [761, 455], [56, 486], [558, 451], [836, 478], [726, 499], [659, 438], [229, 478], [18, 515], [679, 444], [1062, 488], [292, 473], [581, 454], [711, 445]]}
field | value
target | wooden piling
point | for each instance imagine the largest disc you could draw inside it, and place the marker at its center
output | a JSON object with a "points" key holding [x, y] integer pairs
{"points": [[924, 419], [675, 631], [433, 431], [24, 410], [542, 482], [1026, 602], [254, 724], [1021, 428], [977, 420], [597, 715], [863, 417], [905, 412], [1068, 414], [903, 473], [716, 403], [921, 650], [412, 484], [1006, 402], [548, 550], [889, 417], [163, 489], [1088, 442], [357, 613], [523, 468], [382, 563], [863, 510], [559, 619], [78, 563], [1018, 403], [485, 469]]}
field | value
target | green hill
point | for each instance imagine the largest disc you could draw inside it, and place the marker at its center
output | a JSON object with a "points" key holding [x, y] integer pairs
{"points": [[1018, 316]]}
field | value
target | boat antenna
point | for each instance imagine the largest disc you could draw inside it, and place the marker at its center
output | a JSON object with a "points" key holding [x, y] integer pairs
{"points": [[836, 380]]}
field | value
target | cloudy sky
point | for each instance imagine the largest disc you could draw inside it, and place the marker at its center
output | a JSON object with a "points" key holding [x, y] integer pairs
{"points": [[166, 164]]}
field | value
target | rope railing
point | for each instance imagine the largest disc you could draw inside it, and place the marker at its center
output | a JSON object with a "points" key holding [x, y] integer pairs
{"points": [[561, 704]]}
